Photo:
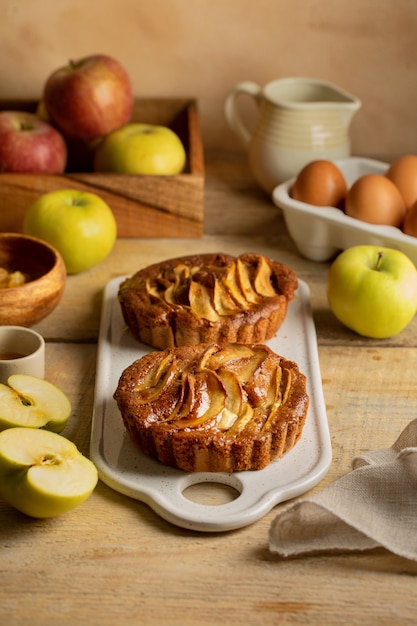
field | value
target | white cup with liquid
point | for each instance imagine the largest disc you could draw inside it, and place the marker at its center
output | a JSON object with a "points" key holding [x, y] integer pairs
{"points": [[22, 351]]}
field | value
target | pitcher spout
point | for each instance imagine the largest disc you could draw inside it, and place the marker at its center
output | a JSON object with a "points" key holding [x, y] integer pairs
{"points": [[311, 93]]}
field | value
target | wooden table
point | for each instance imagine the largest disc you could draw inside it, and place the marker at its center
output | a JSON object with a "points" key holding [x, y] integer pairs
{"points": [[114, 561]]}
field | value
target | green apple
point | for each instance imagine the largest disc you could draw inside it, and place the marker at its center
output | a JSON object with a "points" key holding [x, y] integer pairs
{"points": [[141, 149], [79, 224], [373, 290], [32, 402], [43, 474]]}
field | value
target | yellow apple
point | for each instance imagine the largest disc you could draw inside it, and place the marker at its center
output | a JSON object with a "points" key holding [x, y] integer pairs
{"points": [[43, 474], [32, 402], [79, 224], [373, 290], [146, 149]]}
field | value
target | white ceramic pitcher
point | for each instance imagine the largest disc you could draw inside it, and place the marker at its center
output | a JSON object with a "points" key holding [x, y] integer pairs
{"points": [[299, 120]]}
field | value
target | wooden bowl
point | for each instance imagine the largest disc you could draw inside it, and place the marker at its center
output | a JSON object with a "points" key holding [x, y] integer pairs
{"points": [[45, 273]]}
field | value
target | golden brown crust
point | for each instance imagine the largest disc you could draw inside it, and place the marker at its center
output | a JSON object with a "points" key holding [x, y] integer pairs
{"points": [[213, 407], [206, 298]]}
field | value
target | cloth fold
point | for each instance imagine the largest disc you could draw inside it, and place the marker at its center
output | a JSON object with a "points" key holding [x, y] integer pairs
{"points": [[375, 505]]}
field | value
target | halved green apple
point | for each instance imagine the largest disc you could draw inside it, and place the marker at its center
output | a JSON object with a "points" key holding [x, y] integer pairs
{"points": [[43, 474], [31, 402]]}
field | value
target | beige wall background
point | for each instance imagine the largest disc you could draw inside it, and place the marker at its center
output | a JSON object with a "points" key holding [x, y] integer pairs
{"points": [[201, 48]]}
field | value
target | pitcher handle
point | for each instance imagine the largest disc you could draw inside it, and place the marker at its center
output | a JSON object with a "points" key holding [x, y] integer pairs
{"points": [[231, 111]]}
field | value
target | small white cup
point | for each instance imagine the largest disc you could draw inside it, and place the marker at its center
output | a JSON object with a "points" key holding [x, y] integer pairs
{"points": [[22, 351]]}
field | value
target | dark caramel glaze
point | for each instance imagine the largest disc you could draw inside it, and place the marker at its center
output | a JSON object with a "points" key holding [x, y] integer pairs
{"points": [[160, 323], [213, 407]]}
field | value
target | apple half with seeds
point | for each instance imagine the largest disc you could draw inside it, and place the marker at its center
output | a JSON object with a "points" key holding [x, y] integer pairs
{"points": [[31, 402], [43, 474]]}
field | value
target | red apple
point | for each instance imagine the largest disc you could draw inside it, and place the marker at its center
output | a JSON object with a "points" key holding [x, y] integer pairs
{"points": [[29, 144], [89, 98]]}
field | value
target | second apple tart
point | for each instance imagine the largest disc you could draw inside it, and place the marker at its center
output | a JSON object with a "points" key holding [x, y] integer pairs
{"points": [[213, 407], [207, 297]]}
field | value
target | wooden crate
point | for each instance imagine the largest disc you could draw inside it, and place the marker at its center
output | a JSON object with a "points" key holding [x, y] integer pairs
{"points": [[144, 206]]}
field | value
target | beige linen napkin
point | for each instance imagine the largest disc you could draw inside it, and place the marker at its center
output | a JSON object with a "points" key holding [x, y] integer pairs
{"points": [[375, 505]]}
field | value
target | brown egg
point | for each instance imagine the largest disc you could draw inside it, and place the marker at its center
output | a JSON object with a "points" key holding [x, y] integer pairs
{"points": [[410, 221], [403, 172], [375, 199], [320, 183]]}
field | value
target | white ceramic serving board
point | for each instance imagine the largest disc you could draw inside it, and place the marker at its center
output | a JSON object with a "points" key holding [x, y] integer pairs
{"points": [[124, 468]]}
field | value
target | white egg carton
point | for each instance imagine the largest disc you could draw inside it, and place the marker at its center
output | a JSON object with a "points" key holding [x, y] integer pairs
{"points": [[321, 232]]}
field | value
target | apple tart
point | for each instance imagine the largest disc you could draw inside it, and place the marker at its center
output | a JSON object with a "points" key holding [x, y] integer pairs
{"points": [[206, 298], [213, 407]]}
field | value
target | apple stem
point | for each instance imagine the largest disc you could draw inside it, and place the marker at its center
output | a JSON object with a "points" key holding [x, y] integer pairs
{"points": [[379, 260], [74, 64]]}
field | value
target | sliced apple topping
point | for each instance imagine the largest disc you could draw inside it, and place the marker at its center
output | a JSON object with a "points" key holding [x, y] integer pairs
{"points": [[244, 277], [170, 294], [224, 387], [215, 357], [185, 404], [262, 385], [168, 285], [166, 366], [286, 387], [262, 281], [28, 401], [274, 393], [246, 369], [201, 303], [231, 283], [155, 381], [234, 398], [283, 388], [208, 352], [154, 289], [180, 274], [209, 400], [243, 419], [216, 289], [224, 303]]}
